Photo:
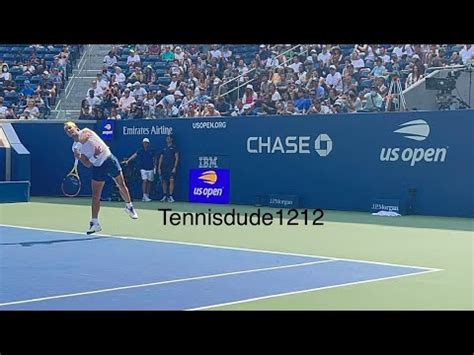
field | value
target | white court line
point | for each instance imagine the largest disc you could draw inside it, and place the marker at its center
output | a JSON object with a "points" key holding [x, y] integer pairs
{"points": [[309, 290], [164, 282], [228, 247]]}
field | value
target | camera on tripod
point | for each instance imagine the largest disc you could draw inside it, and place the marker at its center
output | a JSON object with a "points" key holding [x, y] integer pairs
{"points": [[444, 85]]}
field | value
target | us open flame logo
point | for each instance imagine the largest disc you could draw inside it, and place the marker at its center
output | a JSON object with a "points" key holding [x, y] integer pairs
{"points": [[208, 177], [417, 130]]}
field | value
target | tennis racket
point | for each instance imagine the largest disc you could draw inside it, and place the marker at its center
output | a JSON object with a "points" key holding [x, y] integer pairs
{"points": [[71, 185]]}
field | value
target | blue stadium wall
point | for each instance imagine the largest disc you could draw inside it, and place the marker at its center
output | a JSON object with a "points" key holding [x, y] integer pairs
{"points": [[339, 162]]}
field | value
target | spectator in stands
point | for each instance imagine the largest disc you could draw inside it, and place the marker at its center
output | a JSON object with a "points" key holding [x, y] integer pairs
{"points": [[167, 54], [98, 114], [413, 77], [29, 69], [247, 110], [353, 103], [9, 86], [149, 105], [27, 89], [318, 108], [440, 60], [314, 86], [31, 111], [10, 113], [98, 91], [268, 106], [372, 101], [382, 54], [302, 103], [356, 60], [6, 75], [86, 111], [154, 49], [378, 69], [110, 59], [179, 55], [109, 100], [210, 111], [223, 106], [214, 52], [114, 114], [136, 76], [56, 77], [133, 59], [467, 53], [332, 97], [92, 100], [249, 96], [126, 102], [149, 75], [141, 49], [3, 108], [379, 83], [226, 53], [324, 56], [136, 111], [119, 76], [455, 59], [296, 64], [334, 79], [139, 93]]}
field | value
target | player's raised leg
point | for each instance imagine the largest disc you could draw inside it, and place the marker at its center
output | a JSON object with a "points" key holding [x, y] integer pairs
{"points": [[120, 181]]}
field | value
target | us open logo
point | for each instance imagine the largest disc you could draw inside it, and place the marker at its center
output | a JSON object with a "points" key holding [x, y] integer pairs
{"points": [[209, 185], [417, 130], [107, 131]]}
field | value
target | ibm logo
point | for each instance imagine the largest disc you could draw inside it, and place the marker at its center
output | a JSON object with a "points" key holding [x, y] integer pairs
{"points": [[207, 162]]}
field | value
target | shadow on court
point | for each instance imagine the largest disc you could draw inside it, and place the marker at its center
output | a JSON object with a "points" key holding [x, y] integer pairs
{"points": [[45, 242], [413, 221]]}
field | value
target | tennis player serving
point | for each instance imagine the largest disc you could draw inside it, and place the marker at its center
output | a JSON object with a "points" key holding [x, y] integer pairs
{"points": [[91, 150]]}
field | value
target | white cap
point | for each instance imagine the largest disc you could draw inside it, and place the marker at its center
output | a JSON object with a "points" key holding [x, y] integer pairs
{"points": [[146, 140], [179, 93], [249, 86]]}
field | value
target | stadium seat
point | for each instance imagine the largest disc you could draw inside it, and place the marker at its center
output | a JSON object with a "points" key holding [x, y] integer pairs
{"points": [[163, 81], [35, 79], [366, 84], [20, 79]]}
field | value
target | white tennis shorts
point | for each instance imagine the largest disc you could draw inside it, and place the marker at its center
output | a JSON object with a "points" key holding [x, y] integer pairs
{"points": [[147, 175]]}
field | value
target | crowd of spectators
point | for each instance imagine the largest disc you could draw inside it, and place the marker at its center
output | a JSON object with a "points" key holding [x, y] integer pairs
{"points": [[31, 78], [158, 81]]}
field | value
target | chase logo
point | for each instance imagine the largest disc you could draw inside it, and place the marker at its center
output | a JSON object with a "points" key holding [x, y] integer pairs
{"points": [[107, 131], [323, 151], [417, 130], [208, 177], [209, 186]]}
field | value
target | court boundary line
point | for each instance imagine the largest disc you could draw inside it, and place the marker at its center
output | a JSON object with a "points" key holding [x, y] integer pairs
{"points": [[157, 283], [227, 247], [309, 290]]}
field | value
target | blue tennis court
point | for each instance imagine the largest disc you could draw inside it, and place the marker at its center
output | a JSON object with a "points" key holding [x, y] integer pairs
{"points": [[56, 270]]}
